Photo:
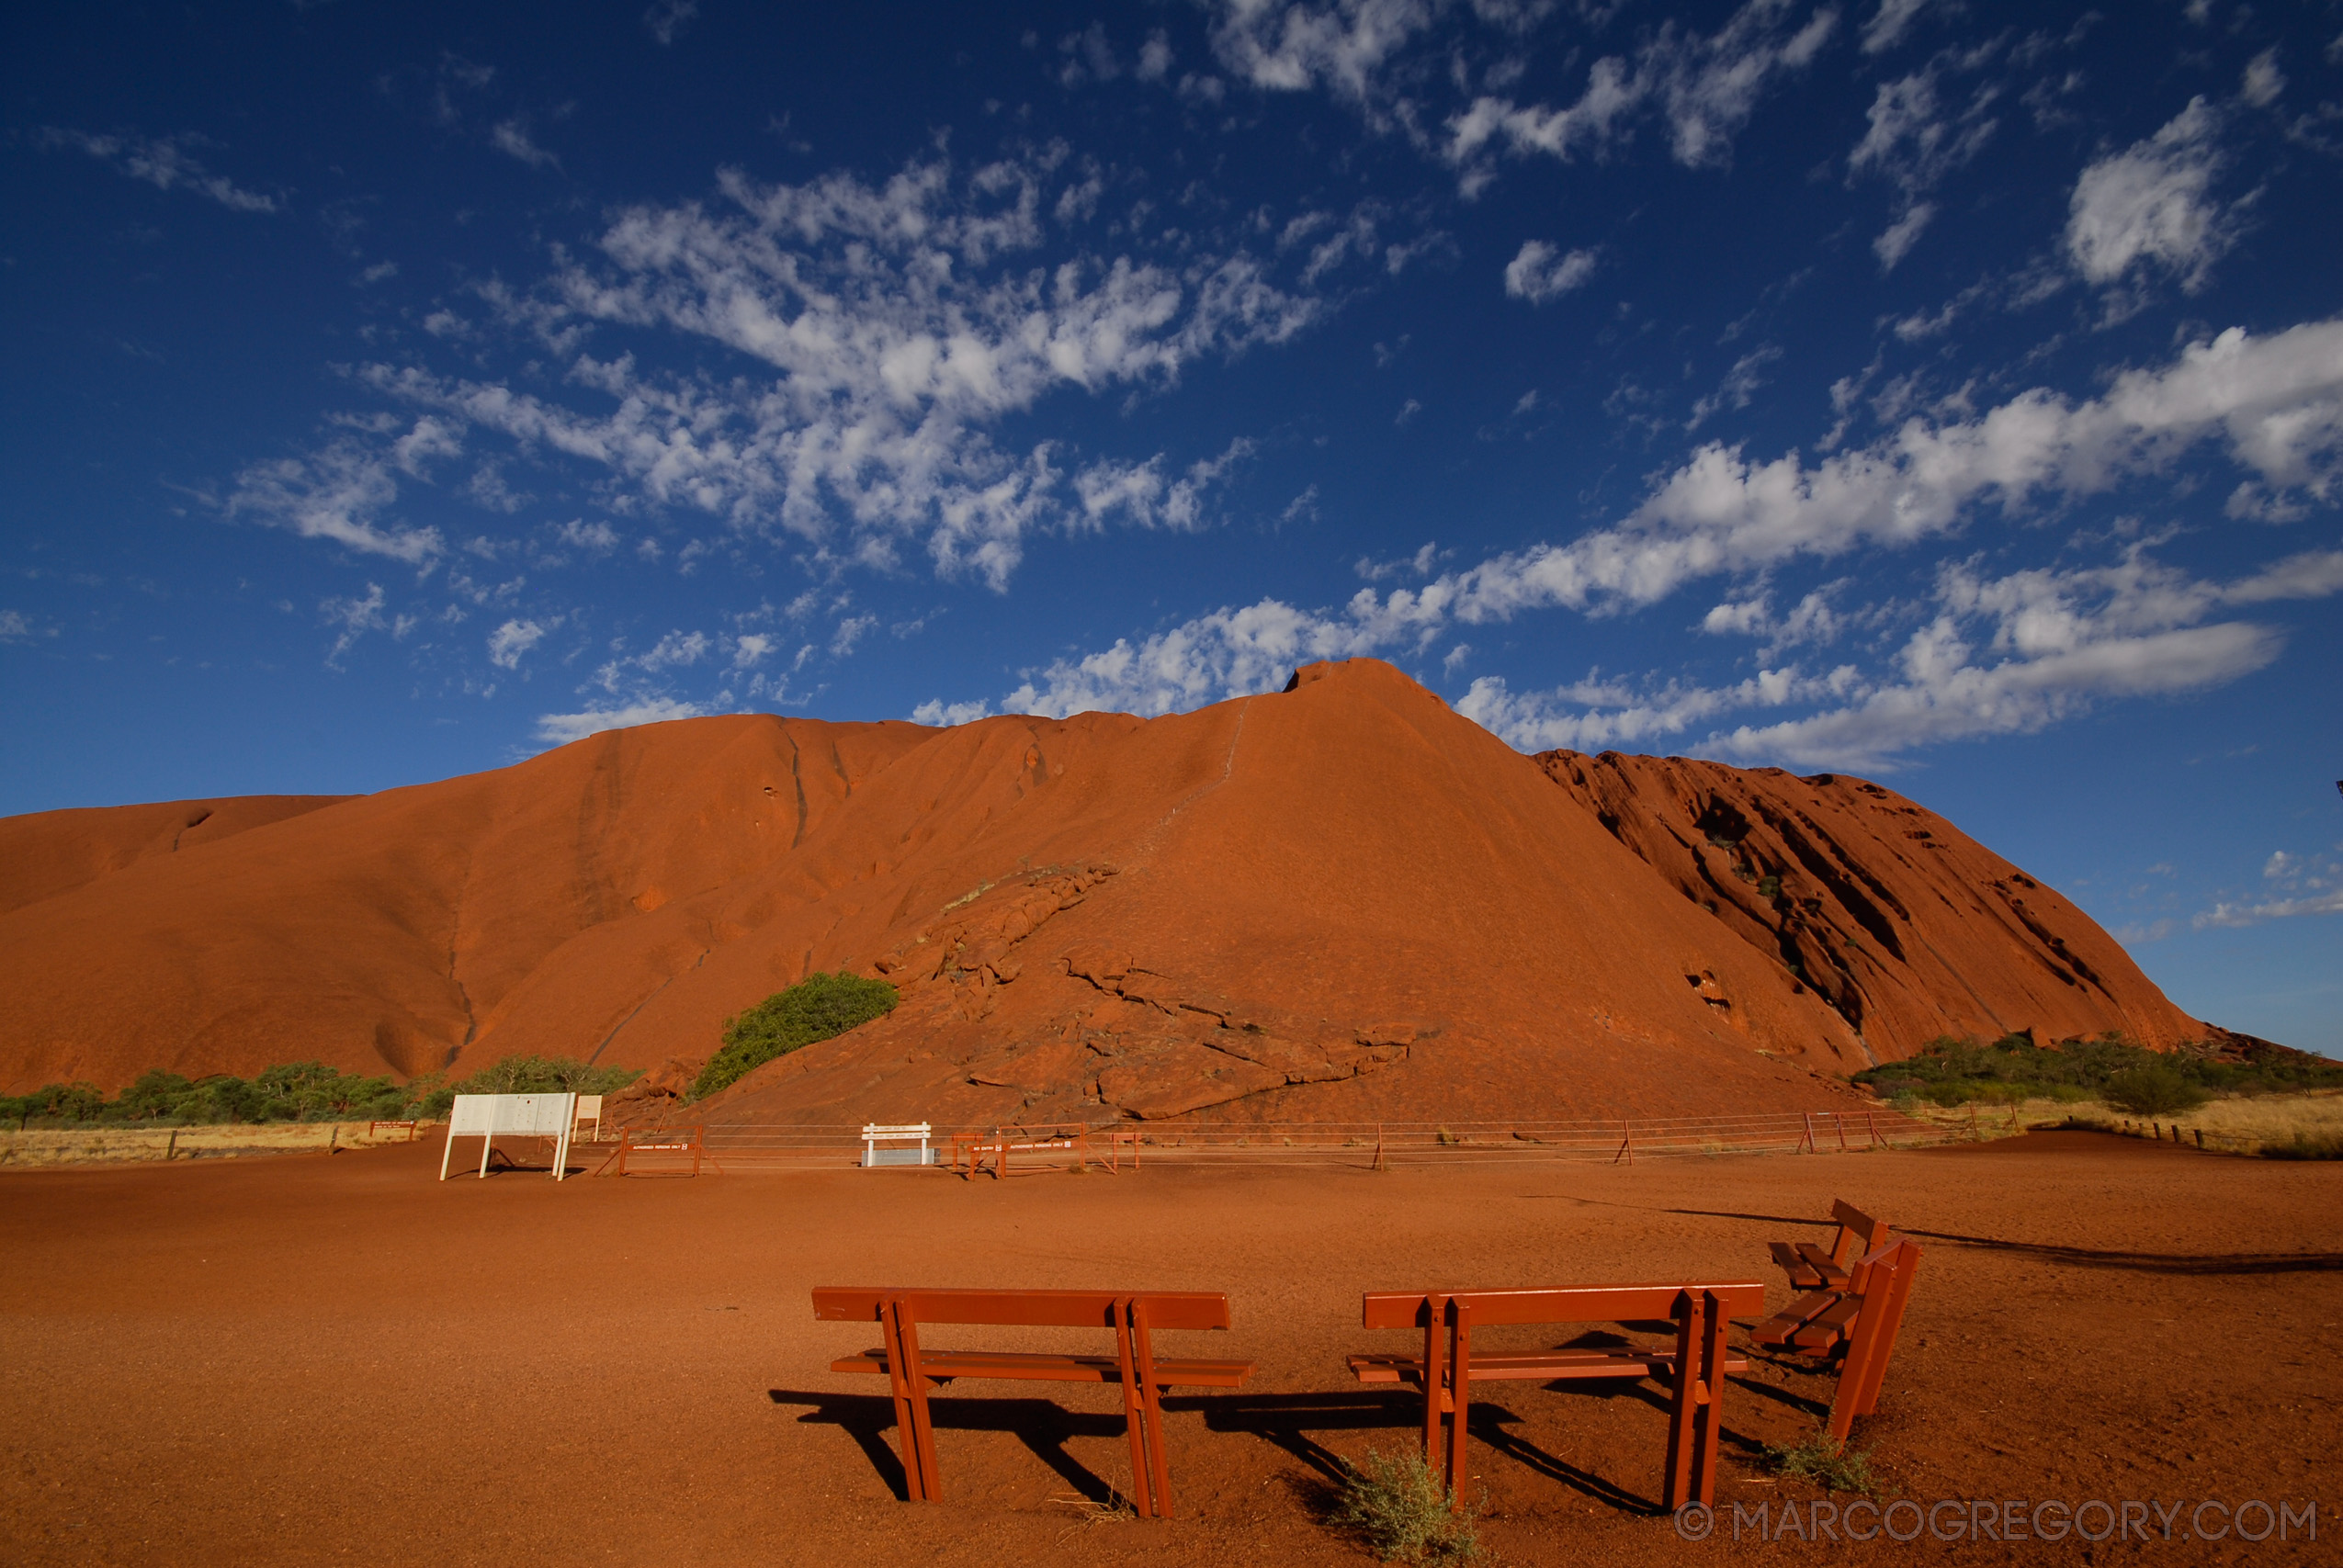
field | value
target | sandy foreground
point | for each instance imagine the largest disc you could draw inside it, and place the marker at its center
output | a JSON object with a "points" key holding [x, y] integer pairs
{"points": [[317, 1359]]}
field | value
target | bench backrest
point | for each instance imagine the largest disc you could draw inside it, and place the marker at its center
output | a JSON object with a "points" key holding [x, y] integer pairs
{"points": [[1031, 1309], [1859, 1234], [1561, 1303]]}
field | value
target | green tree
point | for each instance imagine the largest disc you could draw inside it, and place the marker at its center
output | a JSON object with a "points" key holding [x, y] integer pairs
{"points": [[2154, 1090], [819, 1007]]}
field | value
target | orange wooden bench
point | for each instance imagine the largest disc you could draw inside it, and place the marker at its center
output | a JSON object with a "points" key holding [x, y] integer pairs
{"points": [[1693, 1371], [1811, 1268], [1135, 1317], [1864, 1318]]}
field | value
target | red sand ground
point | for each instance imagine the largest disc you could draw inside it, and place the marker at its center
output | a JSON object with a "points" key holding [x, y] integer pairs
{"points": [[1343, 902], [312, 1360]]}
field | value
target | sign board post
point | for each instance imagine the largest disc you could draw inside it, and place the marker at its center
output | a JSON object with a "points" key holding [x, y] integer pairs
{"points": [[483, 1116]]}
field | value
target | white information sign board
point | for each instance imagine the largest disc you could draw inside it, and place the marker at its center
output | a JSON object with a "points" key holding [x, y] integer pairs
{"points": [[483, 1116]]}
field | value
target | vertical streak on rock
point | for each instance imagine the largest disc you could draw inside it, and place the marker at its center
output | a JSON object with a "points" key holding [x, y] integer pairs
{"points": [[455, 934], [797, 778]]}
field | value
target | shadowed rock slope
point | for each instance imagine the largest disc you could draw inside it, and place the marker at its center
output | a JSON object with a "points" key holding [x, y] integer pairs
{"points": [[1341, 902]]}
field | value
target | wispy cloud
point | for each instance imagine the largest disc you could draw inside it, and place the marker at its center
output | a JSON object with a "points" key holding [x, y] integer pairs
{"points": [[164, 162], [1704, 88]]}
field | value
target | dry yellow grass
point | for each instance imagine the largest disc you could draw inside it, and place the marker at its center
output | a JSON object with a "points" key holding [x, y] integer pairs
{"points": [[107, 1146], [2246, 1124]]}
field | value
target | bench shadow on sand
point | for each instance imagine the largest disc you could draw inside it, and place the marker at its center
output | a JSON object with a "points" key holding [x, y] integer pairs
{"points": [[1293, 1423]]}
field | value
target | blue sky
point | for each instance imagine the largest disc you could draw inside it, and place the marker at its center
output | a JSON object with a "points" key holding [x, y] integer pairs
{"points": [[1951, 393]]}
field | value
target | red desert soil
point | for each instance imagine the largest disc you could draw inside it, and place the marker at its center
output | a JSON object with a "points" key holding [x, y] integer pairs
{"points": [[338, 1358], [1344, 902]]}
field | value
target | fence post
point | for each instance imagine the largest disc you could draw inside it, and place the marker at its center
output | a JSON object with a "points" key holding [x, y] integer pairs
{"points": [[1626, 1144], [1378, 1147]]}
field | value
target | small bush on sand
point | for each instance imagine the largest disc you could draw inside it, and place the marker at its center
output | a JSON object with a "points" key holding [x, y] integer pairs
{"points": [[1398, 1505], [2154, 1091], [819, 1007], [1828, 1462]]}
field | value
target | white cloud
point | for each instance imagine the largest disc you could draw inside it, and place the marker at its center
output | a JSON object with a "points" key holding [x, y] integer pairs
{"points": [[2225, 914], [850, 632], [17, 626], [2263, 82], [1898, 238], [561, 728], [1144, 497], [1705, 88], [1595, 715], [1914, 141], [941, 712], [1342, 46], [897, 331], [1225, 653], [2152, 203], [1155, 56], [749, 650], [1741, 384], [338, 493], [667, 17], [163, 161], [1538, 272], [511, 136], [596, 538], [2277, 402], [1889, 24], [355, 617], [509, 641]]}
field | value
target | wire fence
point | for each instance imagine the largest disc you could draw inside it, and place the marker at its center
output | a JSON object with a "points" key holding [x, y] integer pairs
{"points": [[1363, 1145]]}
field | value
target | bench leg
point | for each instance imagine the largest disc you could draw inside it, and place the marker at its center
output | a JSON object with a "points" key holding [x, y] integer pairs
{"points": [[1709, 1420], [1134, 1410], [1460, 1394], [915, 1435], [1691, 1328], [1151, 1408], [1435, 1380]]}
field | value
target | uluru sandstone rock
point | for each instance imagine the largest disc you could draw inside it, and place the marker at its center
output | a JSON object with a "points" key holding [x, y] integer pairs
{"points": [[1342, 902], [1907, 927]]}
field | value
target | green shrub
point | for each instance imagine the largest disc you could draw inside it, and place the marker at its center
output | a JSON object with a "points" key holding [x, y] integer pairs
{"points": [[1825, 1460], [1949, 1071], [1405, 1515], [819, 1007], [2153, 1091]]}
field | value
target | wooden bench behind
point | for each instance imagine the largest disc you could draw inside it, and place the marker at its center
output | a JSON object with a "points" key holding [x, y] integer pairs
{"points": [[1811, 1268], [1134, 1316]]}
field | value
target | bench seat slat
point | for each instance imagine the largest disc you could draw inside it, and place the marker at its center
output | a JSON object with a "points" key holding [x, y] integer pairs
{"points": [[1819, 1259], [1801, 1274], [945, 1364], [1038, 1309], [1562, 1303], [1830, 1325], [1777, 1329], [1552, 1366]]}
